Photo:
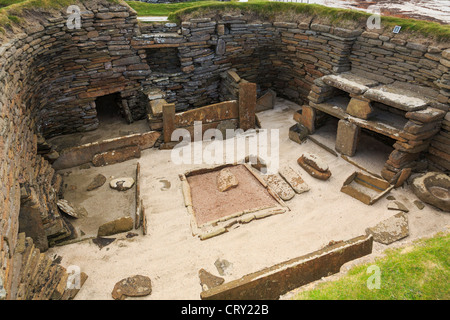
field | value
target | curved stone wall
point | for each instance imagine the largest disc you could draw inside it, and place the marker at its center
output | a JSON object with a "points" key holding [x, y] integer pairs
{"points": [[50, 77]]}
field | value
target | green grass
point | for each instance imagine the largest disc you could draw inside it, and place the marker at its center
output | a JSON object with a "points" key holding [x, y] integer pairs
{"points": [[336, 16], [5, 3], [419, 272], [162, 9], [262, 8]]}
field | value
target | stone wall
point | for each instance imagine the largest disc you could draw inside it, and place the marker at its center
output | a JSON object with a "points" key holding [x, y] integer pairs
{"points": [[49, 78]]}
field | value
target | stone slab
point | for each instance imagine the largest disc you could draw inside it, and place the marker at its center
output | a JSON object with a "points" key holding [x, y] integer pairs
{"points": [[390, 230], [76, 156], [270, 283], [281, 187], [399, 100], [347, 138], [346, 84], [294, 179]]}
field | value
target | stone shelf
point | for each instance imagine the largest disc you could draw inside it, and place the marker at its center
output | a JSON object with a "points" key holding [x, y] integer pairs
{"points": [[335, 106]]}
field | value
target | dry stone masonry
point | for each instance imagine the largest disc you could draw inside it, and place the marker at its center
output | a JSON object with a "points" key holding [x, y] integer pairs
{"points": [[51, 78]]}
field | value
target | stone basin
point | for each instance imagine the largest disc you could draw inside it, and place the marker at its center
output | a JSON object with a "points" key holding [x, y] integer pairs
{"points": [[433, 188]]}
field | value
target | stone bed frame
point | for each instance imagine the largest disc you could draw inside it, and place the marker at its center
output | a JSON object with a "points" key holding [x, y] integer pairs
{"points": [[410, 121]]}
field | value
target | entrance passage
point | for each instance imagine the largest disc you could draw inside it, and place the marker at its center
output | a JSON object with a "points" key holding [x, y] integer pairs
{"points": [[109, 109]]}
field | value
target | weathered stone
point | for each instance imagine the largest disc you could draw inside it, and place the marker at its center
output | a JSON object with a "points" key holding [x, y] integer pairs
{"points": [[223, 126], [419, 204], [135, 286], [294, 179], [279, 186], [433, 188], [122, 184], [270, 283], [267, 101], [359, 108], [298, 133], [402, 101], [391, 229], [156, 106], [123, 224], [116, 156], [314, 167], [73, 210], [427, 115], [348, 84], [226, 180], [223, 266], [308, 118], [208, 280], [102, 242], [347, 138], [397, 205], [221, 47], [97, 182], [315, 162], [257, 163]]}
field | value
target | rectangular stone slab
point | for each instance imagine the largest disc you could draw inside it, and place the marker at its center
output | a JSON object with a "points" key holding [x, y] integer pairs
{"points": [[401, 101], [83, 154], [346, 84], [294, 179], [270, 283]]}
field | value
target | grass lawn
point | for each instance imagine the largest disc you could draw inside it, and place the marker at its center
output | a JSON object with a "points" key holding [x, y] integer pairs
{"points": [[164, 9], [417, 272]]}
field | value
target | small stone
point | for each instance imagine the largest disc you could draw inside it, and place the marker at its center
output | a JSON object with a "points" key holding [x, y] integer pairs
{"points": [[397, 205], [226, 180], [298, 133], [103, 242], [208, 280], [135, 286], [391, 229], [257, 163], [390, 197], [71, 209], [314, 167], [223, 266], [419, 204], [97, 182], [123, 224], [85, 166], [315, 162], [122, 184]]}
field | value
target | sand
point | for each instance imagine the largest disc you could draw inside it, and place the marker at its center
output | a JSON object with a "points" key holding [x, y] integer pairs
{"points": [[172, 257]]}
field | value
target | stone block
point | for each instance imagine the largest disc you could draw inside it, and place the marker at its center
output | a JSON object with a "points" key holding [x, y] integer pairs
{"points": [[123, 224], [359, 108], [116, 156], [347, 138]]}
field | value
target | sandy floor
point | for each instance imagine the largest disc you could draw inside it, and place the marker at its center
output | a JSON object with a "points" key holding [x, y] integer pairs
{"points": [[172, 257]]}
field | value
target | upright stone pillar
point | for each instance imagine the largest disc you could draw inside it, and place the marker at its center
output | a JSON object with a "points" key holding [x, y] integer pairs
{"points": [[308, 118], [168, 121], [347, 138], [247, 105]]}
